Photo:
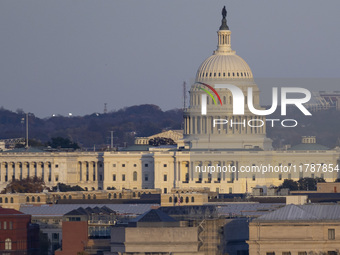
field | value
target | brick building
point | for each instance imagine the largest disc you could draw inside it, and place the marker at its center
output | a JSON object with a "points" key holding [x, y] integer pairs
{"points": [[17, 234], [87, 230]]}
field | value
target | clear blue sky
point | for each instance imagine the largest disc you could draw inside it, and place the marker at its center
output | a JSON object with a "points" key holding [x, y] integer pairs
{"points": [[73, 56]]}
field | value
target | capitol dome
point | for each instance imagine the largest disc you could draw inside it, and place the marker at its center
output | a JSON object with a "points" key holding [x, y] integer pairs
{"points": [[223, 66]]}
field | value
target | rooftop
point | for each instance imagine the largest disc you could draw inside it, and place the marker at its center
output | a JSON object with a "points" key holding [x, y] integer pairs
{"points": [[309, 212], [61, 209], [91, 210], [6, 211], [154, 215]]}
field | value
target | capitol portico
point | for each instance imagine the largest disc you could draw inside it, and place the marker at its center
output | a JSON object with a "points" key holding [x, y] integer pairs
{"points": [[203, 145]]}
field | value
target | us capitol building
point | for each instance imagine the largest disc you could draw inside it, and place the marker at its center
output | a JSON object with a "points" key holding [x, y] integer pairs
{"points": [[202, 146]]}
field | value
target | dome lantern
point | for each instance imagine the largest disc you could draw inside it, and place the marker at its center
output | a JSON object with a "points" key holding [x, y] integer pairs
{"points": [[224, 63], [223, 46]]}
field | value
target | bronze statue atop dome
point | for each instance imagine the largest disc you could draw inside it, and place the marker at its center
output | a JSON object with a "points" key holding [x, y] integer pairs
{"points": [[224, 12], [224, 25]]}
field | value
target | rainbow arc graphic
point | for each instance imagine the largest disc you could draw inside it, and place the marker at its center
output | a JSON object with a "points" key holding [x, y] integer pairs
{"points": [[204, 97], [209, 93]]}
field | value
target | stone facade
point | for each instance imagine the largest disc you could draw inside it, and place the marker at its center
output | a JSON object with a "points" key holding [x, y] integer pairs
{"points": [[163, 169]]}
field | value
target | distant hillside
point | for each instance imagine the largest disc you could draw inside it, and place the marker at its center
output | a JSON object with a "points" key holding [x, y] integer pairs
{"points": [[146, 120], [94, 129]]}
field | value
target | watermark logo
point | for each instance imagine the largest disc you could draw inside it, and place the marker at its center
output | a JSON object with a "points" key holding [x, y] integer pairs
{"points": [[239, 99]]}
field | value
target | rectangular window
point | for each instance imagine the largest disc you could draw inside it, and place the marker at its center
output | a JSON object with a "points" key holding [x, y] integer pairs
{"points": [[10, 225], [123, 165], [146, 165], [123, 177], [165, 178], [165, 165], [332, 253], [55, 236], [165, 190], [146, 177], [56, 166], [331, 234], [5, 225], [114, 165], [254, 178], [134, 165], [280, 176], [114, 177]]}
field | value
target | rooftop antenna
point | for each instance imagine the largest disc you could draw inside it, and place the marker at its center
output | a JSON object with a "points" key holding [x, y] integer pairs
{"points": [[111, 139], [184, 95], [26, 130], [105, 107]]}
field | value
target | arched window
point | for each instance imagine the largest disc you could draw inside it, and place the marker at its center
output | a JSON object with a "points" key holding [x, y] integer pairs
{"points": [[38, 199], [0, 199], [187, 200], [94, 196], [134, 194], [109, 195], [8, 244], [12, 200], [134, 176], [88, 196], [83, 196], [176, 199], [114, 195], [120, 195], [6, 200], [64, 197], [170, 199], [69, 197], [138, 194], [192, 199], [33, 199]]}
